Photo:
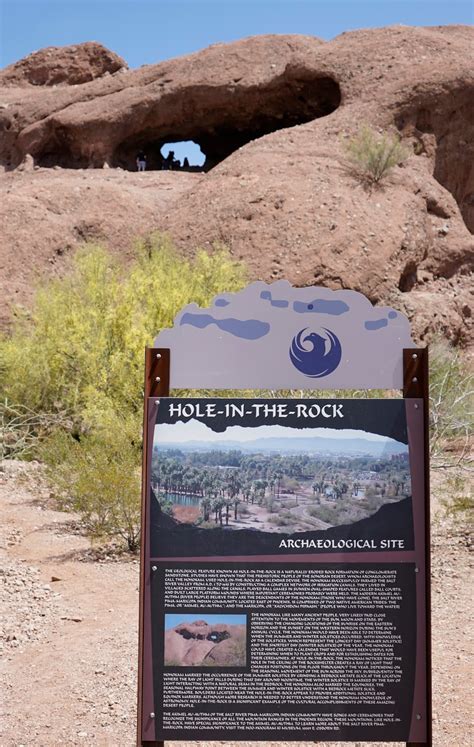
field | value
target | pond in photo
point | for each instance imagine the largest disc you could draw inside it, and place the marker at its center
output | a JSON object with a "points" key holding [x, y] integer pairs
{"points": [[182, 499]]}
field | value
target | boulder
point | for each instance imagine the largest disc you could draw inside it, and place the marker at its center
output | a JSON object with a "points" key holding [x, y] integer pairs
{"points": [[71, 65]]}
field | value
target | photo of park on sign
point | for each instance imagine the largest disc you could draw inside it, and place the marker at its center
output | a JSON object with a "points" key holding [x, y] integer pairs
{"points": [[274, 478]]}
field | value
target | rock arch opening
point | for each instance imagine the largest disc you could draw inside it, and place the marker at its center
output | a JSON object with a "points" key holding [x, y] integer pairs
{"points": [[215, 636], [182, 156], [217, 120], [221, 121]]}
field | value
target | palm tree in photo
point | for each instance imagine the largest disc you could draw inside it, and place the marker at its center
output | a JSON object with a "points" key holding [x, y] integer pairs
{"points": [[278, 475], [253, 492], [247, 490], [272, 482], [206, 504], [228, 503], [236, 506], [217, 506]]}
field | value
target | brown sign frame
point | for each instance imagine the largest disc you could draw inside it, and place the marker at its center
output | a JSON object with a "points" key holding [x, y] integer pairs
{"points": [[157, 384]]}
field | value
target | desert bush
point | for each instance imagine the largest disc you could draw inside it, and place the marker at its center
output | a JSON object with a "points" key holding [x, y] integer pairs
{"points": [[324, 513], [460, 499], [451, 404], [72, 371], [371, 501], [21, 428], [98, 477], [81, 351], [373, 156]]}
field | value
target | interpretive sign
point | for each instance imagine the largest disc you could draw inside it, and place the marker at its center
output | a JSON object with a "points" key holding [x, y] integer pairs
{"points": [[284, 590]]}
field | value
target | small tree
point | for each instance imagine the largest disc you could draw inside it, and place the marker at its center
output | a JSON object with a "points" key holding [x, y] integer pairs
{"points": [[373, 156]]}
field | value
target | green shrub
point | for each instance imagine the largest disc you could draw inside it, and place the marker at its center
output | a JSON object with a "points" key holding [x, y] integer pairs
{"points": [[324, 513], [98, 477], [81, 351], [72, 372], [459, 501], [21, 428], [373, 156], [451, 403]]}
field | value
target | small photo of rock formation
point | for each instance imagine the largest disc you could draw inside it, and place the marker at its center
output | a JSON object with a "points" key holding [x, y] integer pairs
{"points": [[205, 640]]}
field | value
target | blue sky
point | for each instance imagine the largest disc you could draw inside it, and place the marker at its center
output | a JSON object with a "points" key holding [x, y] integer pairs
{"points": [[195, 430], [171, 620], [147, 31]]}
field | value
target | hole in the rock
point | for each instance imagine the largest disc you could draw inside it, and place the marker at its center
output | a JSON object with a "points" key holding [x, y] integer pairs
{"points": [[204, 125], [218, 636], [222, 126], [187, 634], [182, 156]]}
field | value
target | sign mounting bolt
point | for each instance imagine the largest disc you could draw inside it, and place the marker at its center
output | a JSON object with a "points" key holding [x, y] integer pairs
{"points": [[157, 378], [158, 355], [414, 356], [154, 568], [152, 715], [414, 379]]}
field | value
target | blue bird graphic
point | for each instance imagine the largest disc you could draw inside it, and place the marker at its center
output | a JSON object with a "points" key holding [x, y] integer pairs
{"points": [[317, 361]]}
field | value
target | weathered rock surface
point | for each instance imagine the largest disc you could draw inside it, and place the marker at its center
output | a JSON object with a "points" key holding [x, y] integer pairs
{"points": [[271, 114], [45, 214], [53, 66]]}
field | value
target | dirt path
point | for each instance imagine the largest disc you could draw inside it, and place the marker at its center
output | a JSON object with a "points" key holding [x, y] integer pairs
{"points": [[70, 651], [70, 661]]}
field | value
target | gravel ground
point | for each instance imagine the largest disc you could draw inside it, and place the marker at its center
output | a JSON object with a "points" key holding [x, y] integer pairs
{"points": [[68, 628]]}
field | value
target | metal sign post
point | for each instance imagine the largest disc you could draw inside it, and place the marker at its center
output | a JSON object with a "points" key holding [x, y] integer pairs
{"points": [[416, 386], [157, 384]]}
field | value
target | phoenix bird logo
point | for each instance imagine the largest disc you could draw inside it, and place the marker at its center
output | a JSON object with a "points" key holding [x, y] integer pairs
{"points": [[314, 355]]}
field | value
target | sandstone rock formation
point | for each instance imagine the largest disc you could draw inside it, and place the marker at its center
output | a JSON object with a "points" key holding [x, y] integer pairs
{"points": [[271, 115], [53, 66], [201, 644]]}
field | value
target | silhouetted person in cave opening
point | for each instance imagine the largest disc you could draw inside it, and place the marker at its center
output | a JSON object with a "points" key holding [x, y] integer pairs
{"points": [[141, 161], [170, 161], [185, 164]]}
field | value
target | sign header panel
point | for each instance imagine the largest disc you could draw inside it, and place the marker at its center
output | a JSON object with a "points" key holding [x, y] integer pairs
{"points": [[279, 337]]}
